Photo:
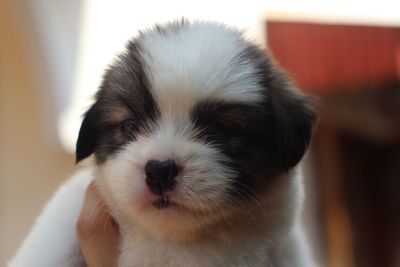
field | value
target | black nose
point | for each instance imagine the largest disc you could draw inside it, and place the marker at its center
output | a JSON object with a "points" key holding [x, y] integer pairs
{"points": [[160, 175]]}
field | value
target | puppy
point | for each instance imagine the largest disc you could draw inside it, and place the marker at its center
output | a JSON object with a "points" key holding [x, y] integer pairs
{"points": [[196, 134]]}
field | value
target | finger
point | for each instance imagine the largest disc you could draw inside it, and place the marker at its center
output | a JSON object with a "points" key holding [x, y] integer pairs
{"points": [[97, 231], [94, 215]]}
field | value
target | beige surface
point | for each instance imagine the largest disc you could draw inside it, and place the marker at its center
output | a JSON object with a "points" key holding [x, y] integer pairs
{"points": [[31, 165]]}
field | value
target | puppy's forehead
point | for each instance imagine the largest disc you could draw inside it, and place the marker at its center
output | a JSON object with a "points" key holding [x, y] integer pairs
{"points": [[190, 63]]}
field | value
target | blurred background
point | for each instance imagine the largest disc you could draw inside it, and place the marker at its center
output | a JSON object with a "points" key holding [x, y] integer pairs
{"points": [[346, 52]]}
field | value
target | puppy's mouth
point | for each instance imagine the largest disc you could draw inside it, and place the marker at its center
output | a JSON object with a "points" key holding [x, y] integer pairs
{"points": [[165, 202], [162, 203]]}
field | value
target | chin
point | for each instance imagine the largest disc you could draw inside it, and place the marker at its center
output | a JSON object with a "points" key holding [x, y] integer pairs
{"points": [[196, 135]]}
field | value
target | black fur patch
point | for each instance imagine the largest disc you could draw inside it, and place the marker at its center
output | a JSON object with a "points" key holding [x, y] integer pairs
{"points": [[261, 140], [241, 132], [291, 114], [124, 94]]}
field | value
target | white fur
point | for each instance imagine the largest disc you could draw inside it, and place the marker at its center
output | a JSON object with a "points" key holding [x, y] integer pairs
{"points": [[196, 63]]}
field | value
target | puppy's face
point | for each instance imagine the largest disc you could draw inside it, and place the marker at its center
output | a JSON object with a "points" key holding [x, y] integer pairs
{"points": [[189, 122]]}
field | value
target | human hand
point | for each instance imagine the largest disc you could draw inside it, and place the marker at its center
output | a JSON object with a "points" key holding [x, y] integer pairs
{"points": [[97, 231]]}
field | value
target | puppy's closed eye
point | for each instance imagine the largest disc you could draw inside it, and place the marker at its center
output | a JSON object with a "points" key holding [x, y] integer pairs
{"points": [[215, 130], [129, 127], [213, 133]]}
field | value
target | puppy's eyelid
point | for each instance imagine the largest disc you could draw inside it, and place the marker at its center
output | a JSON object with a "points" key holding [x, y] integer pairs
{"points": [[211, 131], [128, 125], [217, 130]]}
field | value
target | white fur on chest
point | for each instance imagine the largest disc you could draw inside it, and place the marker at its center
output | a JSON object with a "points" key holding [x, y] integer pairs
{"points": [[149, 254]]}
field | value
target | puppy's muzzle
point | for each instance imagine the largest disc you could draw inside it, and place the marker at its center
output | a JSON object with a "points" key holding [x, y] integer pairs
{"points": [[160, 175]]}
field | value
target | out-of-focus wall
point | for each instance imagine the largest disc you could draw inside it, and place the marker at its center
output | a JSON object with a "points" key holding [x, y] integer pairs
{"points": [[31, 166], [355, 155]]}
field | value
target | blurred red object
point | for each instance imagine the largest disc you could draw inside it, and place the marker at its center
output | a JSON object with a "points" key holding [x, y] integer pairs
{"points": [[325, 58]]}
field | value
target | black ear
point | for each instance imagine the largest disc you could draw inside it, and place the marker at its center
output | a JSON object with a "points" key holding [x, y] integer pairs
{"points": [[88, 134], [293, 119]]}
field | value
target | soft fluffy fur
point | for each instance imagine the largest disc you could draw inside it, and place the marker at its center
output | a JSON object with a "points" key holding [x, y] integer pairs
{"points": [[217, 105]]}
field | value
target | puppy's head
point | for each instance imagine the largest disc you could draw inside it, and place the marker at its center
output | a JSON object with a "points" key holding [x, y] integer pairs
{"points": [[191, 120]]}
